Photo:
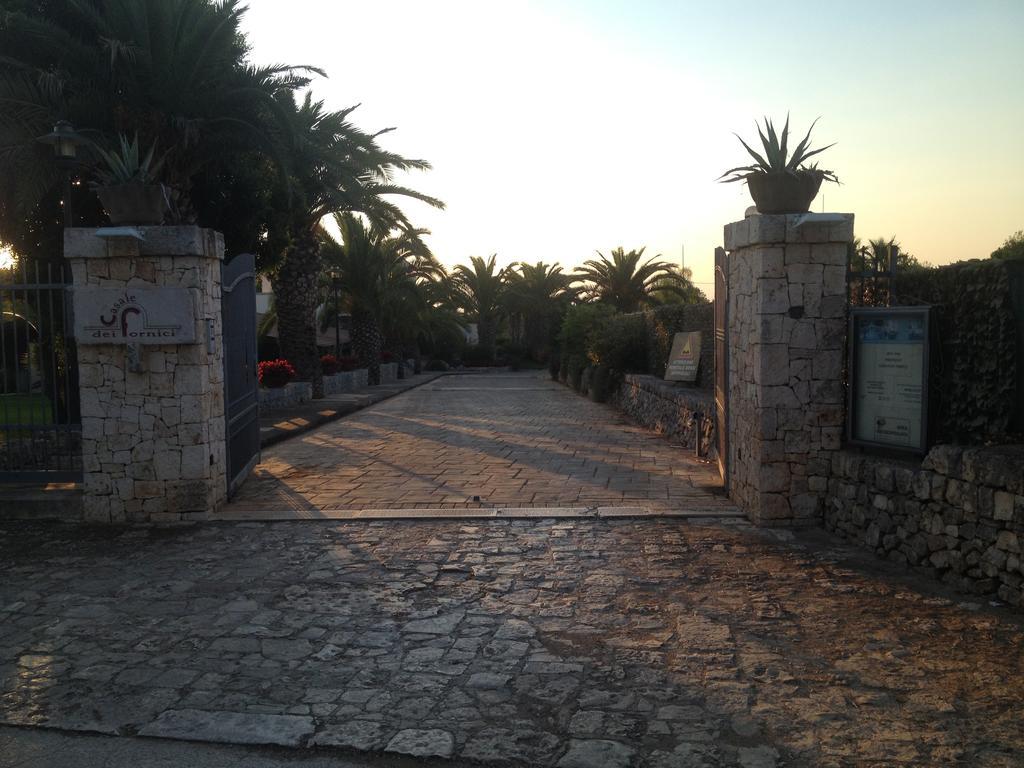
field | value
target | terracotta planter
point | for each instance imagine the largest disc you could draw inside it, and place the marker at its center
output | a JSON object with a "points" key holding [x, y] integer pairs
{"points": [[134, 203], [783, 192]]}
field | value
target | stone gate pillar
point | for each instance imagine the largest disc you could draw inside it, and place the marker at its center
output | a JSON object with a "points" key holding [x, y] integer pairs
{"points": [[147, 317], [787, 336]]}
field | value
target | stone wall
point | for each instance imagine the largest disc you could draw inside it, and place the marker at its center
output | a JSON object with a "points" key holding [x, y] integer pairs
{"points": [[346, 381], [290, 394], [388, 373], [669, 410], [959, 513], [153, 428], [787, 332]]}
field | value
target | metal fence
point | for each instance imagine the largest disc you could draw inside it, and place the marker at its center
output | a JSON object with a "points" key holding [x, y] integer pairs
{"points": [[40, 425], [870, 274]]}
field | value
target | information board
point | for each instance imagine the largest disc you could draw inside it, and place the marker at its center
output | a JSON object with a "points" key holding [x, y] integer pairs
{"points": [[684, 359], [134, 316], [889, 377]]}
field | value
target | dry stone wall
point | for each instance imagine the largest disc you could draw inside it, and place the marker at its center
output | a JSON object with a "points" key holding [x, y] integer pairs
{"points": [[787, 331], [960, 513], [670, 410], [153, 428], [290, 394], [346, 381]]}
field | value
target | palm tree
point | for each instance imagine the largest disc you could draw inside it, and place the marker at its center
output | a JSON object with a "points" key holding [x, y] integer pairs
{"points": [[172, 71], [440, 326], [480, 290], [380, 280], [679, 289], [624, 282], [535, 297], [332, 167], [876, 254]]}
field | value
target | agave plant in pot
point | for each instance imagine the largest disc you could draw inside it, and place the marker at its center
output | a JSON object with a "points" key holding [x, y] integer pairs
{"points": [[127, 184], [778, 182]]}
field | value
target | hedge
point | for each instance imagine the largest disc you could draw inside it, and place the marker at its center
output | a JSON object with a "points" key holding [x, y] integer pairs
{"points": [[595, 336]]}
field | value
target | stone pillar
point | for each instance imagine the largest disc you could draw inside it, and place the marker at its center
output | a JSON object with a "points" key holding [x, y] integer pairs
{"points": [[151, 371], [787, 338]]}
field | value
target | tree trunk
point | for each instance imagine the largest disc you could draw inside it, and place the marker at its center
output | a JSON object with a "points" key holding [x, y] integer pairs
{"points": [[536, 334], [367, 342], [296, 298], [486, 331]]}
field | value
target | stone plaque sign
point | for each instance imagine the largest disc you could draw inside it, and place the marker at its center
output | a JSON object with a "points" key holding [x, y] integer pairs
{"points": [[684, 359], [134, 316], [889, 377]]}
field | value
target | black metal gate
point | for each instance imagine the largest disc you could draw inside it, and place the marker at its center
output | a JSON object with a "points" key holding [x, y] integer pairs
{"points": [[722, 361], [40, 422], [241, 396]]}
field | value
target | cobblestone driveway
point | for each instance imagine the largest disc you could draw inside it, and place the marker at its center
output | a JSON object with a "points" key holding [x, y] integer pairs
{"points": [[510, 439], [586, 643], [576, 643]]}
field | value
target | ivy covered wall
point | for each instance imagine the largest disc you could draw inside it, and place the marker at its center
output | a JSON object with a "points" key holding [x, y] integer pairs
{"points": [[975, 388]]}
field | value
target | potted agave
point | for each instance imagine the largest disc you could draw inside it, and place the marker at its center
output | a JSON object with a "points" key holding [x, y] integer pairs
{"points": [[780, 183], [127, 185]]}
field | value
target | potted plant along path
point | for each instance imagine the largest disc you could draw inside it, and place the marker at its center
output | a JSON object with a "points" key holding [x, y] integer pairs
{"points": [[127, 185], [780, 183]]}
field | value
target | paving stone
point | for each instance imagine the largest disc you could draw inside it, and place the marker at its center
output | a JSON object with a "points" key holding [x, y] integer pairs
{"points": [[437, 625], [758, 757], [286, 649], [488, 680], [586, 723], [430, 460], [693, 640], [589, 753], [231, 727], [355, 734], [419, 743], [503, 746]]}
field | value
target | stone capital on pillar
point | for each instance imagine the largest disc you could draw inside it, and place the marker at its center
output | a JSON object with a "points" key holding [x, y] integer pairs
{"points": [[787, 335], [153, 426]]}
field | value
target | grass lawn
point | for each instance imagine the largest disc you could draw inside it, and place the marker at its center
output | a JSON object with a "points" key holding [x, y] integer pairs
{"points": [[25, 409]]}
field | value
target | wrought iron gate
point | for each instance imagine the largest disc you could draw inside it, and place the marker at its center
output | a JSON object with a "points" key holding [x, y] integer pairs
{"points": [[40, 422], [241, 397], [722, 361]]}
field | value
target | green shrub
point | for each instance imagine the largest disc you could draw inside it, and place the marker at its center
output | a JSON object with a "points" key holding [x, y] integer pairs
{"points": [[512, 355], [478, 356], [577, 363], [554, 365], [638, 342], [579, 323], [619, 343], [437, 365], [600, 384]]}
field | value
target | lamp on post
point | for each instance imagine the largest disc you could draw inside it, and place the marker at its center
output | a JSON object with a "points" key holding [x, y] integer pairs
{"points": [[65, 142], [336, 286]]}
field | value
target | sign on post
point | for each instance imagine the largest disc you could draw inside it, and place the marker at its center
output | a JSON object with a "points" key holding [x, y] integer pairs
{"points": [[134, 316], [888, 400], [684, 359]]}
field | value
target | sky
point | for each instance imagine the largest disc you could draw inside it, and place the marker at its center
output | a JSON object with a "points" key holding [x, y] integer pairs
{"points": [[559, 128]]}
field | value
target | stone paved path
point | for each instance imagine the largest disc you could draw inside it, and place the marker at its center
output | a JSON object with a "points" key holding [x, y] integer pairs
{"points": [[581, 643], [511, 439]]}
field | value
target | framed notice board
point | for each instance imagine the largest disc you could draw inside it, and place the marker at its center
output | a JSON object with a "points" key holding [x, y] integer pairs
{"points": [[888, 373]]}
